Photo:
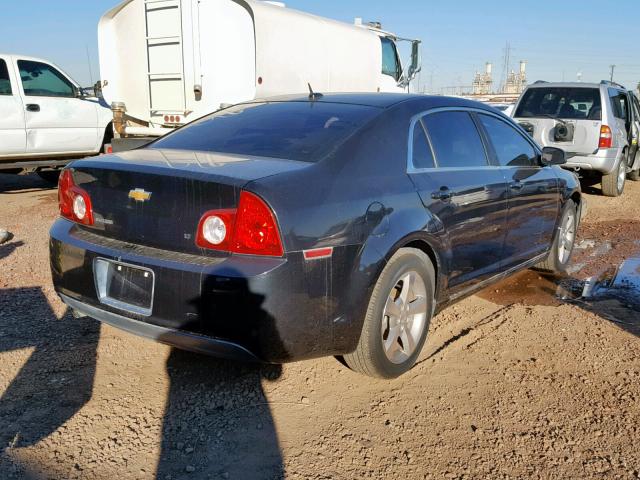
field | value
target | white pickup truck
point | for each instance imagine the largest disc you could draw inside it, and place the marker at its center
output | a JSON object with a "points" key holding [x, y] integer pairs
{"points": [[46, 118]]}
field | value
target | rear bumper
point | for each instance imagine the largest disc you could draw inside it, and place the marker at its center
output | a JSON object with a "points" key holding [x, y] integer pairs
{"points": [[272, 309], [182, 340], [603, 161]]}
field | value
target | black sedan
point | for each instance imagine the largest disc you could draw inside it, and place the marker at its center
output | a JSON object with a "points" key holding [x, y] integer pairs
{"points": [[299, 227]]}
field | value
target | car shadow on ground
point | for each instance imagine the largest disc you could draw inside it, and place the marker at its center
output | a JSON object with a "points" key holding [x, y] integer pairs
{"points": [[15, 184], [56, 379], [217, 421]]}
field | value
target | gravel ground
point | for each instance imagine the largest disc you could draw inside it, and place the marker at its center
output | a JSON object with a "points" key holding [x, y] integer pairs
{"points": [[512, 383]]}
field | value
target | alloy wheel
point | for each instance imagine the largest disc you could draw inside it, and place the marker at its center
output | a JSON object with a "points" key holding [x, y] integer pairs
{"points": [[404, 317], [622, 175], [566, 237]]}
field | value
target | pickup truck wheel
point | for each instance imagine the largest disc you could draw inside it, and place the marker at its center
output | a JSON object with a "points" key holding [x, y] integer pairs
{"points": [[49, 176], [563, 241], [613, 183], [397, 320]]}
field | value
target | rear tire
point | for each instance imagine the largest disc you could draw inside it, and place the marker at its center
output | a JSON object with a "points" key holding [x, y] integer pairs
{"points": [[613, 183], [397, 319], [563, 241]]}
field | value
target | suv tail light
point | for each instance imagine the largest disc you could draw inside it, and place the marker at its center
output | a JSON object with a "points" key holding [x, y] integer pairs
{"points": [[605, 137], [250, 229], [73, 201]]}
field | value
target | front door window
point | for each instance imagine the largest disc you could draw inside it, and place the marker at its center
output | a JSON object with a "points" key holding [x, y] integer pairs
{"points": [[42, 80]]}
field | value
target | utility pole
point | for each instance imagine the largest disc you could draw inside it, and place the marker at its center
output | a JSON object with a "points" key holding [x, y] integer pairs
{"points": [[613, 67], [505, 66]]}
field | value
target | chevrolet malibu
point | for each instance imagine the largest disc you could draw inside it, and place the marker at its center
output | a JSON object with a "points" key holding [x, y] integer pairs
{"points": [[300, 227]]}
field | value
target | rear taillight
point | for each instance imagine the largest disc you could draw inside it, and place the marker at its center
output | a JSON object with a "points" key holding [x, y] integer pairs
{"points": [[251, 229], [605, 137], [74, 202]]}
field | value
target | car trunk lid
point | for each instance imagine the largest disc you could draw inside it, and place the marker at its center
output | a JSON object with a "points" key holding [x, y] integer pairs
{"points": [[157, 197]]}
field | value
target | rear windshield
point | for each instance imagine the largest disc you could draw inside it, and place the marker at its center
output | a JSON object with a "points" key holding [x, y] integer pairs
{"points": [[305, 131], [561, 102]]}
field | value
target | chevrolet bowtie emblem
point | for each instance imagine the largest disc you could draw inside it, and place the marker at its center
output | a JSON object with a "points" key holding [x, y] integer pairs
{"points": [[139, 195]]}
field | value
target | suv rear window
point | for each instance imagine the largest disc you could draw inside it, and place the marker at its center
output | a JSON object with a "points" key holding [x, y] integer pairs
{"points": [[306, 131], [561, 102]]}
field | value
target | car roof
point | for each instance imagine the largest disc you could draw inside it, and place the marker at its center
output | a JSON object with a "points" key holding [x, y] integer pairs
{"points": [[24, 57], [569, 85], [379, 100]]}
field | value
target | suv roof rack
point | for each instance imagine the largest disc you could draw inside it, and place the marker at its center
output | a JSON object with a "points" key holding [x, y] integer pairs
{"points": [[613, 84]]}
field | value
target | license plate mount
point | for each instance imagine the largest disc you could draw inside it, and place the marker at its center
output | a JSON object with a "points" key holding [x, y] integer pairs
{"points": [[124, 286]]}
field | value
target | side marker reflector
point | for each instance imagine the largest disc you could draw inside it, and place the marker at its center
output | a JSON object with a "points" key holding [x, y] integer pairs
{"points": [[318, 253]]}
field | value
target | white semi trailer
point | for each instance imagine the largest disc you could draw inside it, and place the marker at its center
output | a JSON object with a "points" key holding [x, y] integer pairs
{"points": [[166, 62]]}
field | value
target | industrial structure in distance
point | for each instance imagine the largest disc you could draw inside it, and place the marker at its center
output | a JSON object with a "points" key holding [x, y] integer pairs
{"points": [[482, 87]]}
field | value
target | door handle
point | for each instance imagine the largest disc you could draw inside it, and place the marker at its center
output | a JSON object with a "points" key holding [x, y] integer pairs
{"points": [[33, 107], [443, 194], [517, 185]]}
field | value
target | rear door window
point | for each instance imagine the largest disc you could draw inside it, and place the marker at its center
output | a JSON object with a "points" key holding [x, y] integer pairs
{"points": [[618, 103], [561, 102], [305, 131], [42, 80], [422, 155], [5, 82], [511, 147], [455, 140]]}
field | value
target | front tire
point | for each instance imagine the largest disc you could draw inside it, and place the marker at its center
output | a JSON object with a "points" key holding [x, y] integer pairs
{"points": [[397, 320], [613, 183], [563, 241]]}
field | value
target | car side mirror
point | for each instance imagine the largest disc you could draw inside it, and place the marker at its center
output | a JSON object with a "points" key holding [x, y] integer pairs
{"points": [[416, 65], [78, 93], [552, 156]]}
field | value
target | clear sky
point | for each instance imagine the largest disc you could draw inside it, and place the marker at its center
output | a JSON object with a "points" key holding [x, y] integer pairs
{"points": [[557, 38]]}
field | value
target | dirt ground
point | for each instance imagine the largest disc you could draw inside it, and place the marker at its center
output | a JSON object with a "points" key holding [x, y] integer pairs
{"points": [[512, 383]]}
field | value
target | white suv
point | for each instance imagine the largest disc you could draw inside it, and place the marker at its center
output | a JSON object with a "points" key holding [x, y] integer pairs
{"points": [[47, 119], [597, 125]]}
